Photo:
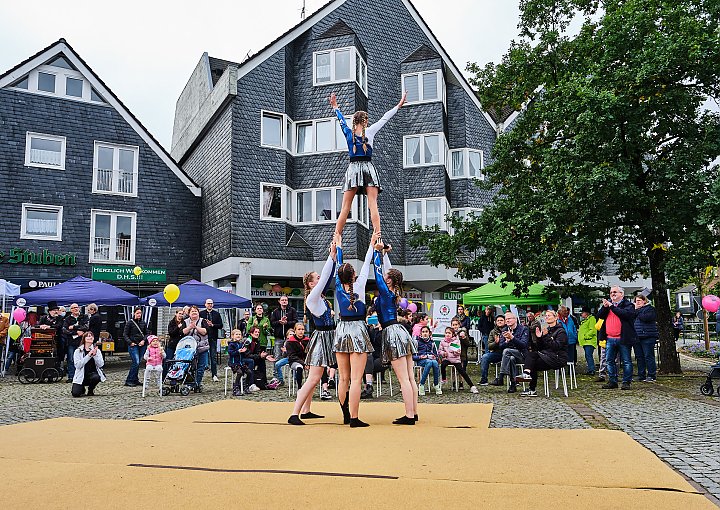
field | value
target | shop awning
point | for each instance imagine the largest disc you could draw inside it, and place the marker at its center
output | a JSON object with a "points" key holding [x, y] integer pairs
{"points": [[82, 291], [195, 293], [496, 294]]}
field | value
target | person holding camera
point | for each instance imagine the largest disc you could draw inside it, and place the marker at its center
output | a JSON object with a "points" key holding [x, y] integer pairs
{"points": [[73, 328], [88, 362], [547, 351], [515, 338]]}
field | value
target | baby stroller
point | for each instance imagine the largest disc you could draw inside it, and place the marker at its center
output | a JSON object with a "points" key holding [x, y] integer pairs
{"points": [[181, 375], [707, 387]]}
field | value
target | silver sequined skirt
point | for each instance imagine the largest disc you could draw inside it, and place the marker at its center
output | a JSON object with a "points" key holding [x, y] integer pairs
{"points": [[320, 349], [352, 336], [397, 343], [361, 174]]}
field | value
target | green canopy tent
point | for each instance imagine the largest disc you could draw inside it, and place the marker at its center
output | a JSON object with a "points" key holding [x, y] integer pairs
{"points": [[496, 294]]}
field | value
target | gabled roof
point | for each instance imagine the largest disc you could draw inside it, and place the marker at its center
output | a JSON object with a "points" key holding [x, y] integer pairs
{"points": [[340, 28], [424, 52], [302, 27], [62, 46], [218, 66]]}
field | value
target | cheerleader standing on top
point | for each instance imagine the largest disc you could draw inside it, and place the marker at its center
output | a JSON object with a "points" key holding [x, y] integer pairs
{"points": [[361, 176], [397, 344], [352, 342], [320, 350]]}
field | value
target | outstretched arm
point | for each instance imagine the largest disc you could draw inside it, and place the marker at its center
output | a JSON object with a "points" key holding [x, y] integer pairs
{"points": [[343, 124], [371, 131], [314, 300], [359, 286]]}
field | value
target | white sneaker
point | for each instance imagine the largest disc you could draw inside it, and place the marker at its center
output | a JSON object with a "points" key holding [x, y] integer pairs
{"points": [[421, 390], [215, 379], [253, 388], [438, 389], [473, 389]]}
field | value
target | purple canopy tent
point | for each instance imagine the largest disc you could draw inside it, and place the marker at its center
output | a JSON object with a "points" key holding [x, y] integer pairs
{"points": [[82, 291], [194, 292]]}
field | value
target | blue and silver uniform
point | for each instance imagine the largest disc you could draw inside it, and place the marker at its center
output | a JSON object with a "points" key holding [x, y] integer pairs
{"points": [[320, 349], [351, 334], [396, 340]]}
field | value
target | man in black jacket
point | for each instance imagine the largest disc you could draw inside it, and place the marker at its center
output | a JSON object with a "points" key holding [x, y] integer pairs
{"points": [[74, 325], [214, 325], [618, 328], [53, 321], [282, 319]]}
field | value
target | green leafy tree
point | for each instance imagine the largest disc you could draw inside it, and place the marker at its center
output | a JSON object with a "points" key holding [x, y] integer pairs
{"points": [[612, 156]]}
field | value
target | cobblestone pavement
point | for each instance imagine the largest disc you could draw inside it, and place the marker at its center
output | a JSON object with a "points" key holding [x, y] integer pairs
{"points": [[669, 417]]}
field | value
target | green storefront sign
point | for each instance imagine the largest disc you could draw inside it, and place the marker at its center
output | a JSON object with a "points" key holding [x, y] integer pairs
{"points": [[453, 295], [125, 274], [37, 258]]}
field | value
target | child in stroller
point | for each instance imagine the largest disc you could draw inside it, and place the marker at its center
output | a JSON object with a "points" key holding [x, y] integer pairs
{"points": [[707, 387], [241, 366], [181, 374]]}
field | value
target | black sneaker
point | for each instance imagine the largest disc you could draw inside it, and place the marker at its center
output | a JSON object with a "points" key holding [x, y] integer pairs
{"points": [[625, 386], [483, 382], [512, 389], [331, 384], [609, 386], [497, 382]]}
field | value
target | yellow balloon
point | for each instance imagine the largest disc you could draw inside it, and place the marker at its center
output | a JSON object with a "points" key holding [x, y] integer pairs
{"points": [[137, 270], [14, 331], [171, 293]]}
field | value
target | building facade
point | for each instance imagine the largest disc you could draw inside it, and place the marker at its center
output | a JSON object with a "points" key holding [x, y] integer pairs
{"points": [[264, 144], [86, 189]]}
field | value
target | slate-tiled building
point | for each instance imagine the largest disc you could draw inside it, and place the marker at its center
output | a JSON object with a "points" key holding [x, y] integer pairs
{"points": [[262, 141], [86, 189]]}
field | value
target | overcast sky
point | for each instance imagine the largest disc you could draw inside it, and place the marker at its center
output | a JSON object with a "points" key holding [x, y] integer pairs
{"points": [[146, 50]]}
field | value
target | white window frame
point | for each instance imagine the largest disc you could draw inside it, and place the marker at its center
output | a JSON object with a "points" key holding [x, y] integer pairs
{"points": [[342, 147], [116, 170], [61, 74], [283, 202], [283, 130], [421, 95], [334, 206], [444, 208], [23, 221], [464, 211], [354, 56], [29, 135], [466, 164], [113, 235], [442, 150]]}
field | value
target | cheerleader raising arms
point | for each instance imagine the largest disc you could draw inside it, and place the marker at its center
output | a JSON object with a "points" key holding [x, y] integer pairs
{"points": [[320, 349], [352, 342], [361, 176]]}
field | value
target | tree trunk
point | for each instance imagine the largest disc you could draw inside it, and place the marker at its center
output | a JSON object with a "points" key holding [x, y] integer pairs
{"points": [[669, 362]]}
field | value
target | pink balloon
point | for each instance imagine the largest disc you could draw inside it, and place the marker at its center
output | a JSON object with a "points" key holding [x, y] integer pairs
{"points": [[711, 303], [412, 307], [19, 314]]}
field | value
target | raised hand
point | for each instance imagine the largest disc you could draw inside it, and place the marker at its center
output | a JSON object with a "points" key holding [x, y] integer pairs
{"points": [[333, 100], [402, 101]]}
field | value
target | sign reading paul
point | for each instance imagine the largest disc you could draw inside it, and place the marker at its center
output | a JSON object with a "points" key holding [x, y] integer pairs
{"points": [[125, 273]]}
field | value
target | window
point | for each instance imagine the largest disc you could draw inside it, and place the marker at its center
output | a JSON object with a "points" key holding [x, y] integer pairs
{"points": [[45, 151], [112, 236], [466, 164], [275, 202], [321, 135], [42, 222], [73, 87], [463, 213], [304, 206], [337, 65], [272, 130], [115, 169], [424, 149], [46, 82], [426, 212], [424, 87]]}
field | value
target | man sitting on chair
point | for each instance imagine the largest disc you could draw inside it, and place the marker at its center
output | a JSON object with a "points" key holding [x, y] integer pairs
{"points": [[516, 338]]}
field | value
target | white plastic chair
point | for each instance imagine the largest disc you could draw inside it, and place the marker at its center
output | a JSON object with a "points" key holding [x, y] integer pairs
{"points": [[228, 369], [418, 375], [377, 376], [546, 379], [146, 374]]}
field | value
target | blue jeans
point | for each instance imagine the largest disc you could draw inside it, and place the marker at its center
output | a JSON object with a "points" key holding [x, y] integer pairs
{"points": [[136, 353], [70, 361], [487, 358], [11, 355], [202, 363], [589, 357], [645, 358], [612, 348], [426, 365], [279, 364], [485, 342]]}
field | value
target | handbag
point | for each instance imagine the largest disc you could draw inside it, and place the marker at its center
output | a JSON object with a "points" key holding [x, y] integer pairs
{"points": [[203, 345]]}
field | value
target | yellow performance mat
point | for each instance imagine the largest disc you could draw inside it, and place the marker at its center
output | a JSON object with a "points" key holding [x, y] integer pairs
{"points": [[237, 453]]}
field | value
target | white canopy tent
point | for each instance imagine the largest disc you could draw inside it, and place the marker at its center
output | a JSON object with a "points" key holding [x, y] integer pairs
{"points": [[7, 290]]}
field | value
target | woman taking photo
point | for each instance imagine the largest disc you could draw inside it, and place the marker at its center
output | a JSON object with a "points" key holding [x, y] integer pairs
{"points": [[88, 367]]}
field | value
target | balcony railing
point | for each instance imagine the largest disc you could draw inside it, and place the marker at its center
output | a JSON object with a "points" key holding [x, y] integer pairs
{"points": [[102, 249]]}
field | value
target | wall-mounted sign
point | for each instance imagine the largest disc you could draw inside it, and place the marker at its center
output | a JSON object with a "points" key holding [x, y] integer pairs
{"points": [[453, 295], [125, 273], [40, 258]]}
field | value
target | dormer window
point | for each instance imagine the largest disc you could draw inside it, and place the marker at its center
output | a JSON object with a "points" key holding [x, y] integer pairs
{"points": [[337, 66], [60, 79]]}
